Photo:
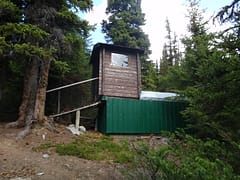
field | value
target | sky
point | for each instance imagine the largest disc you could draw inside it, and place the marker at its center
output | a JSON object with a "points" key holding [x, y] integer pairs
{"points": [[156, 12]]}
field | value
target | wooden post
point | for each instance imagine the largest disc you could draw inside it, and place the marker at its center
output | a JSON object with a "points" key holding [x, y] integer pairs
{"points": [[59, 102], [77, 122]]}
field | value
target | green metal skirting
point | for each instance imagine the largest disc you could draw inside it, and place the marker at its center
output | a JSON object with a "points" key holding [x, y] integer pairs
{"points": [[131, 116]]}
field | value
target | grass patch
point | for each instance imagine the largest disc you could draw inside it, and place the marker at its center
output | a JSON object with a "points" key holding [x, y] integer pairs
{"points": [[43, 147], [101, 148]]}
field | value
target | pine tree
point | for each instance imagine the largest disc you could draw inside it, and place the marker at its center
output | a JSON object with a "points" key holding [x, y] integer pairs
{"points": [[11, 72], [196, 46], [176, 51], [170, 53], [170, 57], [41, 36], [168, 47], [124, 28], [211, 81]]}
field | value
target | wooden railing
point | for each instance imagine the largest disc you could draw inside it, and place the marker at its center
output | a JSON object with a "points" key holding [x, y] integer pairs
{"points": [[70, 85], [77, 110]]}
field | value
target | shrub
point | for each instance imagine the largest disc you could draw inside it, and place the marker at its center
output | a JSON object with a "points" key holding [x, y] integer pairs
{"points": [[183, 158], [97, 148]]}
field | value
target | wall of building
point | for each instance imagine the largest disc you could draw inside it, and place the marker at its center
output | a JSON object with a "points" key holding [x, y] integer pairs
{"points": [[118, 81], [132, 116]]}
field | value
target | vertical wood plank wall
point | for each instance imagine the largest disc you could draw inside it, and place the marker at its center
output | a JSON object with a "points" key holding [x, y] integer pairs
{"points": [[119, 81], [138, 73]]}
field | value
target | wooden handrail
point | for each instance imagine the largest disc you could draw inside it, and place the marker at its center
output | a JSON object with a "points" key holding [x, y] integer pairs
{"points": [[70, 85], [77, 109]]}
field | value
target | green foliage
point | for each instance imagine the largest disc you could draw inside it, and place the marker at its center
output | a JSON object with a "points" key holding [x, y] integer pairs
{"points": [[184, 157], [171, 57], [79, 60], [211, 90], [69, 19], [150, 77], [41, 30], [208, 78], [9, 11], [11, 78], [28, 50], [213, 154], [3, 46], [150, 163], [62, 67], [230, 13], [21, 39], [43, 147], [124, 28], [24, 39], [16, 68], [124, 24], [22, 32], [84, 6], [96, 148]]}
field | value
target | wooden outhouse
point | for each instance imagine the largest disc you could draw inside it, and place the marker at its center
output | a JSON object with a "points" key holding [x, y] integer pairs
{"points": [[118, 69]]}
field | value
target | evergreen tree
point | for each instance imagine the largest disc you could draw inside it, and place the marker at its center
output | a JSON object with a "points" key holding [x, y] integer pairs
{"points": [[11, 72], [170, 54], [197, 45], [168, 47], [170, 57], [45, 32], [124, 28], [230, 13], [210, 79], [177, 57], [151, 78], [164, 61]]}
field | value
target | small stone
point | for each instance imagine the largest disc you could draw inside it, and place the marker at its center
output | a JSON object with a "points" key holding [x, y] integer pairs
{"points": [[43, 136], [82, 129], [40, 173], [68, 166], [45, 156]]}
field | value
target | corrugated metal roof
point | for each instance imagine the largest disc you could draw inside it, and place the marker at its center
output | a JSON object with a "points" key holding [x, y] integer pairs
{"points": [[157, 96]]}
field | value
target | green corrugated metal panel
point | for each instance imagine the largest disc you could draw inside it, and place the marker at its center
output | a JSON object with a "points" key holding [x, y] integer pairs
{"points": [[122, 115]]}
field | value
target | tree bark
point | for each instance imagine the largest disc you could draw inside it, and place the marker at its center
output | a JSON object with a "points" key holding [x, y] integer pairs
{"points": [[41, 93], [32, 108]]}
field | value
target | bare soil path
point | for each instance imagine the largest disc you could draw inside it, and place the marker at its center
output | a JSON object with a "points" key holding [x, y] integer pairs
{"points": [[18, 160]]}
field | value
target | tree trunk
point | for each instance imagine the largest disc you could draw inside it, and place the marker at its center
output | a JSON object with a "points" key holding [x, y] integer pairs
{"points": [[34, 96], [41, 93]]}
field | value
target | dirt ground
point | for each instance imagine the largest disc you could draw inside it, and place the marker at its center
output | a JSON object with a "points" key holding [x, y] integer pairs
{"points": [[18, 161]]}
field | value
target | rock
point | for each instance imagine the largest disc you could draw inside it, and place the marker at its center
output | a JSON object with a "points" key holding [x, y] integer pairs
{"points": [[164, 140], [82, 129], [43, 136], [74, 130], [45, 156], [40, 173], [68, 166]]}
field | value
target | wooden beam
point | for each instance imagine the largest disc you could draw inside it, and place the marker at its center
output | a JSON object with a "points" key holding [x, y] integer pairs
{"points": [[59, 102], [74, 110], [77, 121], [70, 85]]}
